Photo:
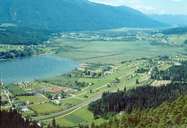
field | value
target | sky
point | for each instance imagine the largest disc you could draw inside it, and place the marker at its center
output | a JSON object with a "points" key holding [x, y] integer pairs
{"points": [[151, 6]]}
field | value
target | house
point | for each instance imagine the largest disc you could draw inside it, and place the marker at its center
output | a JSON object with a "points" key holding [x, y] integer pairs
{"points": [[177, 64], [57, 102], [82, 67], [24, 109], [116, 80], [90, 74], [107, 73]]}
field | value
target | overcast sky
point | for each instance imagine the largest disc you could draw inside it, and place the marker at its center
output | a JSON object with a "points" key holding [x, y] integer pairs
{"points": [[151, 6]]}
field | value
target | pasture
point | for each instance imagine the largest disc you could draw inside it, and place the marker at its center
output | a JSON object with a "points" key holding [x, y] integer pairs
{"points": [[33, 99], [82, 116], [45, 108], [113, 51]]}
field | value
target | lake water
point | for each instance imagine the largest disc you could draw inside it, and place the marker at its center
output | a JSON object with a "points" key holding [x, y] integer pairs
{"points": [[36, 67]]}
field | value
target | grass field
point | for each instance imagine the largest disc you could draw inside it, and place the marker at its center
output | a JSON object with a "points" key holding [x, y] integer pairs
{"points": [[39, 85], [81, 116], [177, 39], [113, 51], [45, 108], [72, 101], [126, 73], [15, 89], [33, 99], [61, 80]]}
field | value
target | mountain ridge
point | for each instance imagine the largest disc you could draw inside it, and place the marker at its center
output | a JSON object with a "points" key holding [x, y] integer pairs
{"points": [[174, 20], [74, 15]]}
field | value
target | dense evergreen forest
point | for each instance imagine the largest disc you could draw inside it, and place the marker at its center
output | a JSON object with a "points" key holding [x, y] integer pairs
{"points": [[23, 36], [141, 107], [185, 42], [139, 98], [177, 30], [147, 106], [167, 115], [177, 72], [13, 119], [26, 52]]}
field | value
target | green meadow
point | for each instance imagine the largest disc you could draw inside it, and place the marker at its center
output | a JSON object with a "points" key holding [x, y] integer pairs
{"points": [[113, 51]]}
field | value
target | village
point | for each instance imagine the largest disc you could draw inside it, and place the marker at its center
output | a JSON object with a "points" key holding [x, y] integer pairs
{"points": [[26, 96], [44, 97]]}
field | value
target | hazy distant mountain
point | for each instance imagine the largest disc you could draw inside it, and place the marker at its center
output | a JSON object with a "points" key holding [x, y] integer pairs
{"points": [[175, 20], [71, 15], [176, 30]]}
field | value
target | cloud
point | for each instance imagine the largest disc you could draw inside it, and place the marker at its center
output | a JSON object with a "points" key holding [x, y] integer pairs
{"points": [[176, 0]]}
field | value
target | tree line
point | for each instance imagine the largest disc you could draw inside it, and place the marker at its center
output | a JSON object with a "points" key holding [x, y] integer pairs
{"points": [[23, 36], [26, 52], [13, 119], [167, 115], [139, 98], [174, 73]]}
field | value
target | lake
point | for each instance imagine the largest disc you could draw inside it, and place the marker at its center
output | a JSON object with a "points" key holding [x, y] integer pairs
{"points": [[36, 67]]}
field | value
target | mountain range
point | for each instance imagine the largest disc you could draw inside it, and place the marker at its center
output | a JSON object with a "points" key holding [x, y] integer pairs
{"points": [[71, 15], [174, 20]]}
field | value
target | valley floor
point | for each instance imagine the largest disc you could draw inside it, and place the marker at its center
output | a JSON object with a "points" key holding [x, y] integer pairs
{"points": [[106, 66]]}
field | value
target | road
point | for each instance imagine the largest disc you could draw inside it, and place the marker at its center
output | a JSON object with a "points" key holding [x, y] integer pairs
{"points": [[68, 111]]}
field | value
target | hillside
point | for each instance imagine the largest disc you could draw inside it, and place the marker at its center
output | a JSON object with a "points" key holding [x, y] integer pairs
{"points": [[71, 15], [176, 30], [167, 115], [23, 35], [136, 99], [175, 20], [13, 119]]}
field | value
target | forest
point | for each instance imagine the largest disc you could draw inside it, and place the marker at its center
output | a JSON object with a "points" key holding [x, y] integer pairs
{"points": [[23, 36], [167, 115], [139, 98], [185, 42], [26, 52], [13, 119], [176, 30], [170, 74]]}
